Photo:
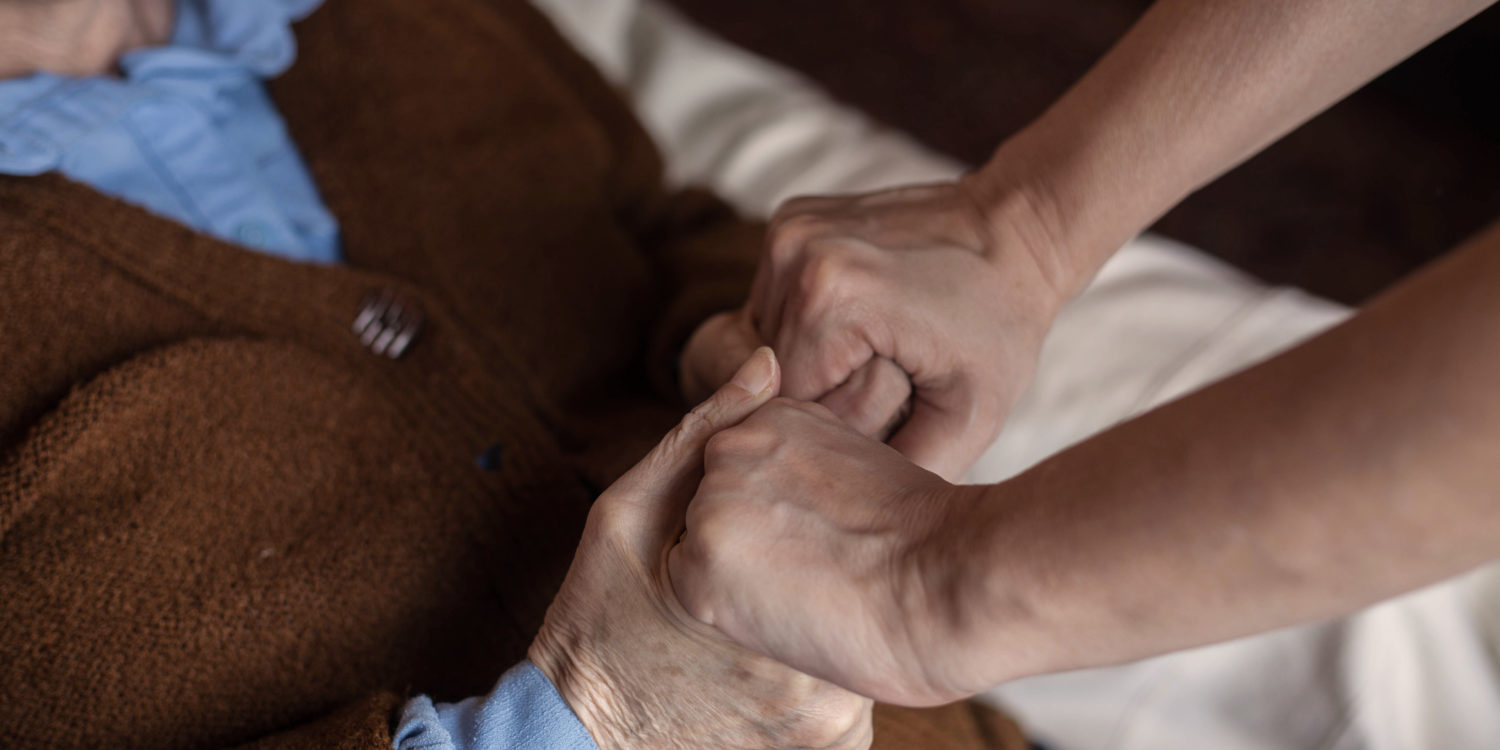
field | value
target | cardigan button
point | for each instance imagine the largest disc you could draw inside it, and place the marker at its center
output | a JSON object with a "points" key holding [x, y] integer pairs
{"points": [[388, 323], [490, 459]]}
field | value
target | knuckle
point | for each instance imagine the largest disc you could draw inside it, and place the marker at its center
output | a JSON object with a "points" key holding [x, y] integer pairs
{"points": [[782, 248], [838, 280], [821, 413], [736, 459], [837, 720], [609, 516], [698, 420], [723, 445], [778, 409], [876, 279], [800, 222], [826, 269], [791, 232], [794, 209], [714, 542], [802, 203], [794, 409], [688, 434]]}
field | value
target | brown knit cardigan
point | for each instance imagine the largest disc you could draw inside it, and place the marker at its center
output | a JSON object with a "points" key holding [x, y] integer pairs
{"points": [[225, 520]]}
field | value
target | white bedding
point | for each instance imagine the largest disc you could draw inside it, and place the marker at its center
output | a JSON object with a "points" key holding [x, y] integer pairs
{"points": [[1161, 319]]}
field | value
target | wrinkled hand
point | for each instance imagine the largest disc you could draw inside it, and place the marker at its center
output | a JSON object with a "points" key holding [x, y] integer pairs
{"points": [[874, 400], [917, 275], [831, 553], [636, 668]]}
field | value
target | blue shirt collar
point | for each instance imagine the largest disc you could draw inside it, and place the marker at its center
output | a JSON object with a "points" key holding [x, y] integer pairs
{"points": [[252, 35]]}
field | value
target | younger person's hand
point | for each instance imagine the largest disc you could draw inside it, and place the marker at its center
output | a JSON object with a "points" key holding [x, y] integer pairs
{"points": [[918, 276]]}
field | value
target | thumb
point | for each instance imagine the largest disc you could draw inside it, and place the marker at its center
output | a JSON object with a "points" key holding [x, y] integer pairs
{"points": [[664, 481]]}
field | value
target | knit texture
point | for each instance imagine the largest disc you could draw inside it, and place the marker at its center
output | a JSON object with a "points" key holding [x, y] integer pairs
{"points": [[223, 520]]}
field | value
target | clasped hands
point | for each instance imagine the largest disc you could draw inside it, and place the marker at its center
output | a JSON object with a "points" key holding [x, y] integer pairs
{"points": [[913, 298], [770, 538]]}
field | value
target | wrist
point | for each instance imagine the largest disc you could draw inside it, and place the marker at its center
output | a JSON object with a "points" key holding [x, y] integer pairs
{"points": [[966, 608], [992, 618], [584, 686], [1056, 201], [1022, 226]]}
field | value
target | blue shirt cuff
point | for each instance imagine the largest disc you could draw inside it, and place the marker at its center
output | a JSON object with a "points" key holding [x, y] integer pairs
{"points": [[524, 711]]}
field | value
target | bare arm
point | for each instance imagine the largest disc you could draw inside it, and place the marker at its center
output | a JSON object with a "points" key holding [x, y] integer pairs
{"points": [[1357, 466], [1191, 91]]}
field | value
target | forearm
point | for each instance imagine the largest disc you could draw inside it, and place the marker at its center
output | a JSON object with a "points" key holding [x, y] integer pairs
{"points": [[1354, 467], [1191, 91]]}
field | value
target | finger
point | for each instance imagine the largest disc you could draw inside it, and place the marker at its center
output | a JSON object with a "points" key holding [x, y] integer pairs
{"points": [[796, 223], [872, 399], [657, 489], [769, 294], [944, 441], [809, 204], [782, 245], [715, 352], [816, 359], [760, 293]]}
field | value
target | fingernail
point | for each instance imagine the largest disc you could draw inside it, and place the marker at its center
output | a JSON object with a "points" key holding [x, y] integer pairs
{"points": [[755, 375]]}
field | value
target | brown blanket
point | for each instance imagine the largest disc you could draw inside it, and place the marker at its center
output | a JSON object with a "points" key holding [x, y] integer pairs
{"points": [[224, 519]]}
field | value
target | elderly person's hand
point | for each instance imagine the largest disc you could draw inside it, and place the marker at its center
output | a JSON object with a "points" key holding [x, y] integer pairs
{"points": [[831, 552], [636, 668], [919, 277]]}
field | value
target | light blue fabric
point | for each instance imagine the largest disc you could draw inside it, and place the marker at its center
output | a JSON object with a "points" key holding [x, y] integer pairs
{"points": [[524, 712], [186, 130]]}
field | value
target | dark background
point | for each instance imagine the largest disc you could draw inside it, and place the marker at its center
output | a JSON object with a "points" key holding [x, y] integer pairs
{"points": [[1360, 196]]}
